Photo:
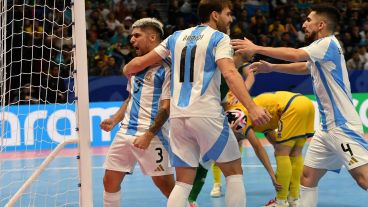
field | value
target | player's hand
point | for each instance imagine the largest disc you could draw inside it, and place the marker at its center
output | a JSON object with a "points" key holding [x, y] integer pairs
{"points": [[261, 67], [249, 72], [259, 115], [277, 186], [142, 142], [244, 46], [107, 125]]}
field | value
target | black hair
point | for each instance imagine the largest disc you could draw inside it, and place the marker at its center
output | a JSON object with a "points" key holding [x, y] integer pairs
{"points": [[206, 7], [330, 12]]}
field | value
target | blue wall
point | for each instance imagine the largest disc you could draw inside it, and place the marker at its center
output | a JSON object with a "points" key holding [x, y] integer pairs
{"points": [[42, 127]]}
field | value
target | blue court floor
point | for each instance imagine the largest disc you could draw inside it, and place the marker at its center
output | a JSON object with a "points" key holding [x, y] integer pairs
{"points": [[336, 190]]}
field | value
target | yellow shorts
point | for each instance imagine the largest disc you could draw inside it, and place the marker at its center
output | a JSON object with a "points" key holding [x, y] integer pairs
{"points": [[295, 142], [296, 121]]}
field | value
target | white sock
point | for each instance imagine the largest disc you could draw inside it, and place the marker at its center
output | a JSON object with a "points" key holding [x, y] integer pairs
{"points": [[111, 199], [308, 196], [235, 191], [179, 195]]}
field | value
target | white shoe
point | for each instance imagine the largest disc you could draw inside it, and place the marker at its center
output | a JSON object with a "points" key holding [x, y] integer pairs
{"points": [[216, 190], [293, 202], [276, 203], [193, 204]]}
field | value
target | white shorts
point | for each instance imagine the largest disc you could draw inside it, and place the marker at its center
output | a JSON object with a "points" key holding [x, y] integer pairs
{"points": [[344, 145], [123, 156], [197, 139]]}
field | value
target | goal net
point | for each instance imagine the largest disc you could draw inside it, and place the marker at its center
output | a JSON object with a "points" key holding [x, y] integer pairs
{"points": [[44, 151]]}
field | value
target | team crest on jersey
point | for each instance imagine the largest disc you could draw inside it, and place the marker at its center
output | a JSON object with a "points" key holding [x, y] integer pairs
{"points": [[148, 75]]}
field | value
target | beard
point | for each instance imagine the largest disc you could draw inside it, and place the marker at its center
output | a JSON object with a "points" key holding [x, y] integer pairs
{"points": [[311, 37], [223, 28]]}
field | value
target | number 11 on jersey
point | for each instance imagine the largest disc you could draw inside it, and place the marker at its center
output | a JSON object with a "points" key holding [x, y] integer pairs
{"points": [[183, 63]]}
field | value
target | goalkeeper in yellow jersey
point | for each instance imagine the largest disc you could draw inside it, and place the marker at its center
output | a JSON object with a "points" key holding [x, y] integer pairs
{"points": [[291, 124]]}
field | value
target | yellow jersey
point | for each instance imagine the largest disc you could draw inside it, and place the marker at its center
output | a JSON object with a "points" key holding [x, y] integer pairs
{"points": [[292, 114]]}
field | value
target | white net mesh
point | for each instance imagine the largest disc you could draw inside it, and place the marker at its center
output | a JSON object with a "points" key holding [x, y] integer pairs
{"points": [[37, 101]]}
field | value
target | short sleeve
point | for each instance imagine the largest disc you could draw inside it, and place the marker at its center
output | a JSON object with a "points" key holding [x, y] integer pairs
{"points": [[317, 50], [166, 84], [162, 49], [223, 49]]}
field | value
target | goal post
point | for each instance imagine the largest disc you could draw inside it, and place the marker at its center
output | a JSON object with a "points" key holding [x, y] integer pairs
{"points": [[45, 157], [81, 68]]}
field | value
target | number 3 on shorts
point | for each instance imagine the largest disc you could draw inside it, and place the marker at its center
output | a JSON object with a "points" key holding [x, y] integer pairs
{"points": [[159, 152]]}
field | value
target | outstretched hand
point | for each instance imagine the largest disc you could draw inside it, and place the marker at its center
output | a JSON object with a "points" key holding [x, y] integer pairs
{"points": [[249, 72], [244, 46], [261, 67]]}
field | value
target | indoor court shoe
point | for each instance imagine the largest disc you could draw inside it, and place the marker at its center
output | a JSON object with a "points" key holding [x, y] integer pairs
{"points": [[293, 202], [276, 203], [193, 204], [216, 190]]}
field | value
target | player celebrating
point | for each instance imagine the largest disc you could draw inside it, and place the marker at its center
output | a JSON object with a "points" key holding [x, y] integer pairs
{"points": [[143, 133], [199, 129], [340, 140]]}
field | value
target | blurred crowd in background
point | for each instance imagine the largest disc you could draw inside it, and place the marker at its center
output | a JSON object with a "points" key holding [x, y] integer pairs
{"points": [[275, 23], [39, 40]]}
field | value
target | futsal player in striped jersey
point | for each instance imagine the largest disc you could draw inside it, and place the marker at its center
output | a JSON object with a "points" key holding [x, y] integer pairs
{"points": [[198, 127], [143, 134], [340, 139]]}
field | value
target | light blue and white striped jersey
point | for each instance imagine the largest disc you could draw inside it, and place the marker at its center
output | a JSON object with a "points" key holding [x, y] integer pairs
{"points": [[195, 77], [147, 88], [331, 83]]}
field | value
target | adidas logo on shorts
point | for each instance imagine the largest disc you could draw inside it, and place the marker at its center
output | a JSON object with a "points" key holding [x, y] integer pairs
{"points": [[159, 168], [353, 161]]}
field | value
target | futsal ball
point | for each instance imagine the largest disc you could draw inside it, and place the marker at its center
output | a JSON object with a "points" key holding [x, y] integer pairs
{"points": [[237, 115]]}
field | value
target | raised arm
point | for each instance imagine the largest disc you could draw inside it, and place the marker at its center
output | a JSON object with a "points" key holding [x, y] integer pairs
{"points": [[262, 156], [284, 53], [236, 84], [299, 68], [140, 63]]}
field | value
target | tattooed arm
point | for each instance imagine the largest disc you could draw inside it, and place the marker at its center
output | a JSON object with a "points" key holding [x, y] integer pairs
{"points": [[163, 113]]}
